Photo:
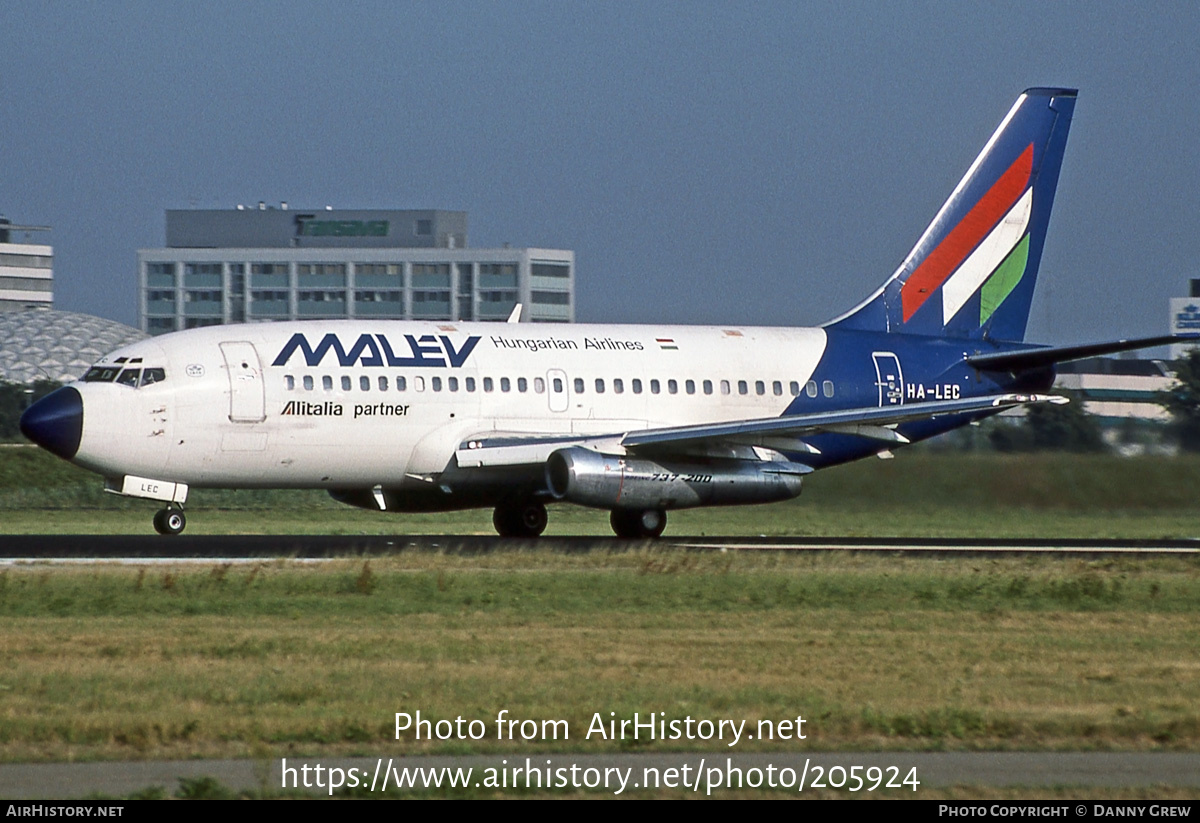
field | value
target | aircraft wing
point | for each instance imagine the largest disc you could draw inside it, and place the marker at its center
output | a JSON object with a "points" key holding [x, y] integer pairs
{"points": [[773, 432]]}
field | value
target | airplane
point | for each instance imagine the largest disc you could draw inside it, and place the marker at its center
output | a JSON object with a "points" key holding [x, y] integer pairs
{"points": [[400, 416]]}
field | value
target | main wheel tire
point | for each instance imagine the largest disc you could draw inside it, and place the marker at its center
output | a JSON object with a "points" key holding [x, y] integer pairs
{"points": [[633, 524], [169, 521], [525, 519]]}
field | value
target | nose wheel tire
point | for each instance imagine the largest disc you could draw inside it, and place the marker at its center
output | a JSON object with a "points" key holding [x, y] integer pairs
{"points": [[525, 519], [638, 523], [169, 521]]}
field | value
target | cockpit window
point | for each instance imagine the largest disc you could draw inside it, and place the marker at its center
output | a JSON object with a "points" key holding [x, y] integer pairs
{"points": [[101, 374], [127, 377], [153, 376], [130, 377]]}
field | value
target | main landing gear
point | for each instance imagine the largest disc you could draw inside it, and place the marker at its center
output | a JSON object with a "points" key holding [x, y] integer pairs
{"points": [[634, 523], [522, 518], [169, 521]]}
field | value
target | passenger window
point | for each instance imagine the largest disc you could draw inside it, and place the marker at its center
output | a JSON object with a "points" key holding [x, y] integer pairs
{"points": [[539, 385], [346, 382], [435, 383], [794, 387], [690, 386], [654, 387], [308, 382], [579, 385], [637, 386], [810, 388], [777, 388], [364, 383], [708, 387], [760, 387], [452, 383], [743, 387], [724, 387], [401, 383], [522, 385], [470, 381], [618, 385], [505, 384], [153, 376], [326, 382], [419, 383], [489, 384], [130, 377], [382, 383], [827, 388], [599, 385], [289, 382], [558, 385], [672, 387]]}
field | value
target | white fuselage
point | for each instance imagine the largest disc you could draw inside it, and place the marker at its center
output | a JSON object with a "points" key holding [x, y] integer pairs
{"points": [[252, 406]]}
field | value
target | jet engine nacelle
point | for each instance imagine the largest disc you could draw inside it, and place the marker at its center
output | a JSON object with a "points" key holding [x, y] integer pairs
{"points": [[605, 481]]}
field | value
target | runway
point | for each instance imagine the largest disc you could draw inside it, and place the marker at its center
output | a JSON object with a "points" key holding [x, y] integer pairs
{"points": [[33, 547]]}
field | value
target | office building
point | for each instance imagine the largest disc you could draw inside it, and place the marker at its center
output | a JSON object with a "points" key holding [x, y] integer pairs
{"points": [[26, 269], [266, 263]]}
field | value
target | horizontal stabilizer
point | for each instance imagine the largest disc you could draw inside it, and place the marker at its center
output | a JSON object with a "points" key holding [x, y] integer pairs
{"points": [[1040, 358]]}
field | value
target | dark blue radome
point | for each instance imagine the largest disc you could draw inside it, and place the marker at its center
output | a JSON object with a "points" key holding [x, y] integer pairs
{"points": [[56, 422]]}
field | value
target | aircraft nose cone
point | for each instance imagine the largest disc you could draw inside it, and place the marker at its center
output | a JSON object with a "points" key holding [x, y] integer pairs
{"points": [[56, 422]]}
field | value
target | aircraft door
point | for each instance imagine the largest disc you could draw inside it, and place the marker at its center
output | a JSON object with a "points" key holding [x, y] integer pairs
{"points": [[888, 378], [247, 401], [556, 390]]}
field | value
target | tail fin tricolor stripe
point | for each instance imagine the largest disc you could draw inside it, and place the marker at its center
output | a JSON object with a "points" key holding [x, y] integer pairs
{"points": [[972, 273], [950, 253], [986, 258]]}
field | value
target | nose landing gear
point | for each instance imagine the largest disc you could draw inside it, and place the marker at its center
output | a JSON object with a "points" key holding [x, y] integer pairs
{"points": [[169, 521]]}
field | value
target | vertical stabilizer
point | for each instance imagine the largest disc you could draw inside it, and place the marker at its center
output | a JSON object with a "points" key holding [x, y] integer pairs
{"points": [[972, 273]]}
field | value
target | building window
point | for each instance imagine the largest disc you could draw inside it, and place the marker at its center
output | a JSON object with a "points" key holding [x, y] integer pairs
{"points": [[431, 275], [552, 298], [423, 228], [550, 270]]}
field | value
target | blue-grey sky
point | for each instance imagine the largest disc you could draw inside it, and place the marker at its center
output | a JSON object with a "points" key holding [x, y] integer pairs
{"points": [[708, 162]]}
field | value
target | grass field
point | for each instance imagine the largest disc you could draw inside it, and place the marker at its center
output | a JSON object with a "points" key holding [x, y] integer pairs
{"points": [[278, 659]]}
